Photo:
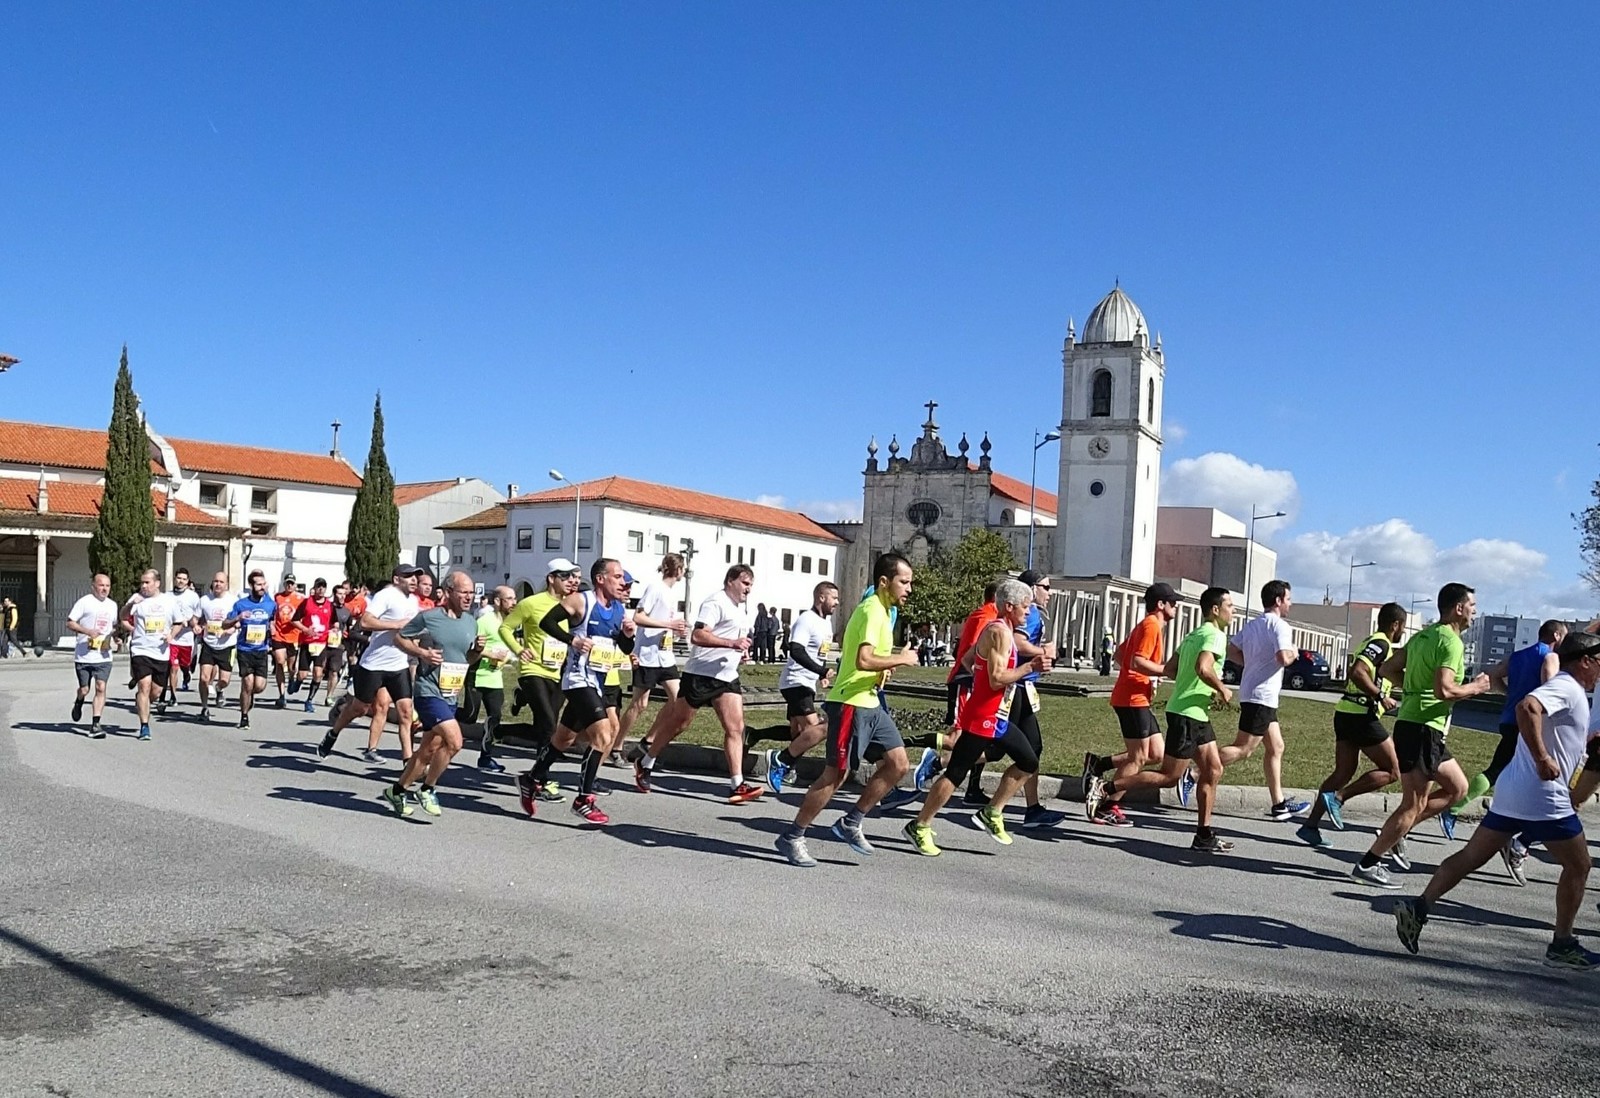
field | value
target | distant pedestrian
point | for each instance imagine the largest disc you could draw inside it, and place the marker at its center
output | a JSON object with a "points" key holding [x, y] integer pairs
{"points": [[8, 628], [761, 635], [1107, 647]]}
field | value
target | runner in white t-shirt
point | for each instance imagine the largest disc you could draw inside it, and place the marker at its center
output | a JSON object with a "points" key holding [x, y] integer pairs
{"points": [[806, 673], [1533, 798], [217, 641], [152, 616], [661, 632], [94, 619], [382, 676], [188, 600], [718, 643], [1264, 647]]}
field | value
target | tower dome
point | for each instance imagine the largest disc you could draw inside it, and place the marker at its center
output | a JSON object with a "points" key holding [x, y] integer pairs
{"points": [[1115, 320]]}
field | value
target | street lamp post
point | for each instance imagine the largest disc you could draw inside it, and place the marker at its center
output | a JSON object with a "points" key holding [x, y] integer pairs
{"points": [[577, 508], [1033, 490], [1349, 592], [1250, 552], [1415, 602]]}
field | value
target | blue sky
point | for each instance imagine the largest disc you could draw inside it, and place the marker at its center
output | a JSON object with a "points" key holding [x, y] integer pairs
{"points": [[722, 244]]}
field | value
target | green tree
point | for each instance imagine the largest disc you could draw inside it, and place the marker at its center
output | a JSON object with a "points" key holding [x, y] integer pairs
{"points": [[933, 593], [123, 544], [950, 585], [372, 545], [1588, 524]]}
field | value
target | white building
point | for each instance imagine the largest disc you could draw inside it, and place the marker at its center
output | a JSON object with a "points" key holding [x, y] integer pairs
{"points": [[1213, 548], [637, 523], [429, 504], [219, 507]]}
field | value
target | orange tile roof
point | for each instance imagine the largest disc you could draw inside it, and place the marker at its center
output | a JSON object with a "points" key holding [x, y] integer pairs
{"points": [[493, 518], [1017, 491], [421, 489], [83, 500], [259, 463], [57, 447], [662, 497]]}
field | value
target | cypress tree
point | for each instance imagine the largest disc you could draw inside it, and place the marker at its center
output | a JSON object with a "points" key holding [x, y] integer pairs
{"points": [[123, 544], [372, 545]]}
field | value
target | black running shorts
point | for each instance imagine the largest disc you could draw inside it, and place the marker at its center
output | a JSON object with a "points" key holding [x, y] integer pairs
{"points": [[801, 701], [699, 691], [1254, 718], [1186, 735], [1420, 748], [1360, 729], [1137, 721]]}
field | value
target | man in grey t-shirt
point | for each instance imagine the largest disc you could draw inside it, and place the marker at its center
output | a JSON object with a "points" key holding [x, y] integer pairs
{"points": [[1264, 647], [443, 640]]}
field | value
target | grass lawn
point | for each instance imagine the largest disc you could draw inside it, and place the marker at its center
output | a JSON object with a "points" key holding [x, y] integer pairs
{"points": [[1072, 726]]}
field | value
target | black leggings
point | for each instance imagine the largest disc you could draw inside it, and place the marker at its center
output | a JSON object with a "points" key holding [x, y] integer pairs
{"points": [[1509, 735], [493, 700], [969, 749]]}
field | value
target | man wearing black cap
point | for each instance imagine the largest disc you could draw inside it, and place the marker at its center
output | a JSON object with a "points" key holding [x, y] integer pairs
{"points": [[1531, 798], [382, 676]]}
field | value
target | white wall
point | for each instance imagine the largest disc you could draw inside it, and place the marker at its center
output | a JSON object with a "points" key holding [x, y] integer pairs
{"points": [[31, 472], [420, 521]]}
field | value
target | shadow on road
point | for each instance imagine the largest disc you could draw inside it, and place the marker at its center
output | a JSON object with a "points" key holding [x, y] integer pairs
{"points": [[643, 835], [308, 1072], [1261, 931], [69, 729], [1179, 854], [333, 798]]}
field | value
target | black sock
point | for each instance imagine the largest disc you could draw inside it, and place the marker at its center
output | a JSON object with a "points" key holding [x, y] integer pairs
{"points": [[1369, 860], [1420, 906], [753, 736], [1103, 766], [427, 787], [924, 740], [591, 769], [543, 759], [1110, 788], [975, 783], [785, 758]]}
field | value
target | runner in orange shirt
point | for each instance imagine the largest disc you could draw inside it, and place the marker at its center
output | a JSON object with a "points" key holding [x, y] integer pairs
{"points": [[285, 635], [1139, 660]]}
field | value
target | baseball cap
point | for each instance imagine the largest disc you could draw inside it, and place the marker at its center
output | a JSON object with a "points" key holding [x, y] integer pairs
{"points": [[319, 582], [406, 568], [1159, 592], [1031, 577], [561, 565], [627, 579], [288, 577]]}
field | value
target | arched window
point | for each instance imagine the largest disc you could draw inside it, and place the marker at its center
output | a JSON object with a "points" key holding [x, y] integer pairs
{"points": [[1150, 405], [1100, 399]]}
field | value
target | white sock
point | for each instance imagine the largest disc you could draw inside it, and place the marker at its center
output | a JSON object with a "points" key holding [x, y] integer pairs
{"points": [[736, 781], [648, 763]]}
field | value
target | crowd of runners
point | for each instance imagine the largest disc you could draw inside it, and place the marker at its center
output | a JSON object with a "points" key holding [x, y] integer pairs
{"points": [[430, 660]]}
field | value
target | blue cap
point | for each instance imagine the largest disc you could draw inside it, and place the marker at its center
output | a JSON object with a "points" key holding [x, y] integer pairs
{"points": [[627, 579]]}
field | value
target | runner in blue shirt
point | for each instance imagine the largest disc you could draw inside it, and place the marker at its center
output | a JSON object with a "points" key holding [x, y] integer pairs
{"points": [[252, 614]]}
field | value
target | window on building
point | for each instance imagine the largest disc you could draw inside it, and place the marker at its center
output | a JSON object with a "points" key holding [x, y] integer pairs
{"points": [[663, 544], [752, 558], [1150, 404], [741, 554], [211, 495], [485, 554], [263, 499], [458, 549], [525, 538], [585, 538], [822, 566], [788, 562], [264, 529], [727, 554], [1100, 397], [805, 564], [635, 541], [552, 537]]}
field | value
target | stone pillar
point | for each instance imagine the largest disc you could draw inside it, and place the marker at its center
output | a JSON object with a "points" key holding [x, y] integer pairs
{"points": [[41, 606], [166, 574]]}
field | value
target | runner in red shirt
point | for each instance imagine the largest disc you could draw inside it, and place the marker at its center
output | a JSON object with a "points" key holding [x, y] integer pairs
{"points": [[285, 636], [956, 687], [314, 618], [1140, 660]]}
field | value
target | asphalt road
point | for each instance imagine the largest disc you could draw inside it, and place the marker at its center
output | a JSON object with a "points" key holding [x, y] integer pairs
{"points": [[219, 912]]}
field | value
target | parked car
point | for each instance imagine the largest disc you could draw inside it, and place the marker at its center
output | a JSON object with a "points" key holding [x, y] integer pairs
{"points": [[1309, 672]]}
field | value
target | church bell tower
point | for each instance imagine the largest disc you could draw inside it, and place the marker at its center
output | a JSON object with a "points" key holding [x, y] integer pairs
{"points": [[1110, 444]]}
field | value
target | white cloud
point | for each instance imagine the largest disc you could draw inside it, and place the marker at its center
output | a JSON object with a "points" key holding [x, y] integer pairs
{"points": [[1231, 485], [1409, 563], [823, 510], [1174, 432]]}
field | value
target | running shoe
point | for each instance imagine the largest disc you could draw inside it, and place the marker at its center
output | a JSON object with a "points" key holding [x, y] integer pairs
{"points": [[490, 766], [1374, 875], [974, 800], [1408, 924], [588, 810], [1334, 807], [1210, 843], [925, 765], [854, 837], [282, 702], [777, 773], [744, 793], [396, 801], [1036, 817], [921, 836], [1094, 795], [991, 820], [1570, 954], [1311, 835], [77, 710], [310, 706], [641, 776], [97, 733], [371, 756], [1110, 815], [1091, 768], [1282, 811], [1296, 807], [144, 731], [1400, 857], [551, 791], [526, 795], [244, 720], [429, 800], [1186, 784], [614, 759], [325, 747], [205, 715], [897, 797], [793, 847], [1514, 854], [1447, 824], [294, 686]]}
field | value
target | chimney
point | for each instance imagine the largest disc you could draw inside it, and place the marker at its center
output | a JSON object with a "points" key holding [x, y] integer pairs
{"points": [[44, 494], [172, 502], [513, 490]]}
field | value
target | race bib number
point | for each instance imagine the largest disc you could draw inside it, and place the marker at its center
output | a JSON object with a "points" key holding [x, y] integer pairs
{"points": [[1002, 717], [604, 655], [824, 650], [155, 625], [452, 677], [317, 648], [1033, 696], [335, 638], [666, 642], [213, 629], [96, 643], [552, 654], [255, 635]]}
